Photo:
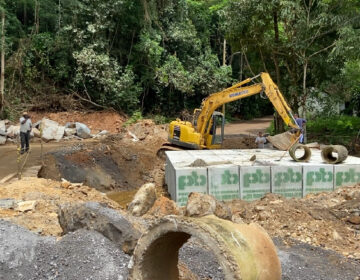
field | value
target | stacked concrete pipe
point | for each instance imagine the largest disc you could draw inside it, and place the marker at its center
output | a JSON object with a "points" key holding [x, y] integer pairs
{"points": [[243, 251], [305, 157], [327, 154]]}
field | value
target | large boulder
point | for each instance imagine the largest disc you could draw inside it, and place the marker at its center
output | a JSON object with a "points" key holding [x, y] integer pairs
{"points": [[70, 131], [163, 207], [222, 211], [36, 132], [13, 131], [143, 200], [82, 130], [51, 130], [94, 216], [2, 128], [2, 140], [200, 204]]}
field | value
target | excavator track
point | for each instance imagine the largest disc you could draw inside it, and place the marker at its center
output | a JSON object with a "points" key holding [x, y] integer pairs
{"points": [[168, 147]]}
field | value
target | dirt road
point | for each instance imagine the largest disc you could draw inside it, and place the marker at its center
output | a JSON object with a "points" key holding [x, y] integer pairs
{"points": [[8, 156], [251, 127]]}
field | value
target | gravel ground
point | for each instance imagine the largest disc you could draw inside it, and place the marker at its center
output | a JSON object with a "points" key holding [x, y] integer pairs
{"points": [[79, 255], [200, 261], [89, 255], [302, 261]]}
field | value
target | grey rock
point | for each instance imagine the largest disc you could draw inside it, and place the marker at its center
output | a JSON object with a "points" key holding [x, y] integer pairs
{"points": [[70, 125], [36, 132], [70, 131], [7, 203], [13, 131], [37, 124], [51, 130], [82, 130], [2, 128], [103, 132], [2, 140], [94, 216]]}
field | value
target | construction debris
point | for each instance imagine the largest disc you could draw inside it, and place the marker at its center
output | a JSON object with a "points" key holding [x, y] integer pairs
{"points": [[93, 216]]}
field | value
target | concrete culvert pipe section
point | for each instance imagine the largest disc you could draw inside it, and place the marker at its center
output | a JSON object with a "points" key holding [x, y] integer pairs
{"points": [[305, 154], [243, 251], [334, 153]]}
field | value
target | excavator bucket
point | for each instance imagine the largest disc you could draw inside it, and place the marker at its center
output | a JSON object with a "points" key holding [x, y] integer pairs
{"points": [[282, 141]]}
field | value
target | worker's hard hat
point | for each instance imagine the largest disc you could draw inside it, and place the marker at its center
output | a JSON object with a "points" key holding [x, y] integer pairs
{"points": [[25, 113]]}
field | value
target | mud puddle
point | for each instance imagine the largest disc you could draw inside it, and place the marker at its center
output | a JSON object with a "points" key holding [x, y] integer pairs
{"points": [[123, 198]]}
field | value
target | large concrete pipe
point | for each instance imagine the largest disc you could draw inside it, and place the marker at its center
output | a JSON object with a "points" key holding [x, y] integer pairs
{"points": [[305, 157], [334, 153], [243, 251]]}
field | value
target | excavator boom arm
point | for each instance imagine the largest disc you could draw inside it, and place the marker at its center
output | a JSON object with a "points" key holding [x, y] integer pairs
{"points": [[238, 91]]}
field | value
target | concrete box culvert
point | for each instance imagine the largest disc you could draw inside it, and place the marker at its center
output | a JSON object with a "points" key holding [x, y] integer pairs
{"points": [[334, 154], [303, 158], [243, 251]]}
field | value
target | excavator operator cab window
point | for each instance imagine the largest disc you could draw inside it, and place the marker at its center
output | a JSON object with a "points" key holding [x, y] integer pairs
{"points": [[217, 128]]}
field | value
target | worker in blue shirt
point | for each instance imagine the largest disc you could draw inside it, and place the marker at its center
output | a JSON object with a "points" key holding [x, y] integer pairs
{"points": [[301, 123]]}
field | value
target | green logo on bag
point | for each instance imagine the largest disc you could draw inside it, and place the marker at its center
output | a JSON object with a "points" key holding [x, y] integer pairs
{"points": [[228, 178], [256, 178], [287, 177], [191, 180], [320, 176]]}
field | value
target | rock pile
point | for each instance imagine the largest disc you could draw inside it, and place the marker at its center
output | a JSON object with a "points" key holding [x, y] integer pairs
{"points": [[48, 130]]}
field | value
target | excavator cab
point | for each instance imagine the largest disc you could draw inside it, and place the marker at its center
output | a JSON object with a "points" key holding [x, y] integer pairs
{"points": [[215, 131]]}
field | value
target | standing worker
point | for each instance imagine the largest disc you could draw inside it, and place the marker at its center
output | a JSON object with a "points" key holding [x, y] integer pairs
{"points": [[25, 129], [301, 123], [260, 140]]}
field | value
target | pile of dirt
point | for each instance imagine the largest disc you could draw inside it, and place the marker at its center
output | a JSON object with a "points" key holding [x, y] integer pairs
{"points": [[239, 142], [46, 197], [328, 220], [96, 121]]}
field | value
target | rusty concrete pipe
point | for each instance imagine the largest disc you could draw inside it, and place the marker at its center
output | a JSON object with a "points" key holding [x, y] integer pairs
{"points": [[334, 154], [305, 157], [243, 251]]}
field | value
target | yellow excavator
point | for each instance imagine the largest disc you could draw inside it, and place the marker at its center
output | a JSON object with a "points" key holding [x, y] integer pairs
{"points": [[206, 131]]}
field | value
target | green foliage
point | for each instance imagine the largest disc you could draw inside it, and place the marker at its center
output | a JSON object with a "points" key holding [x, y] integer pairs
{"points": [[105, 81], [271, 128], [159, 57], [136, 116], [160, 119], [333, 130]]}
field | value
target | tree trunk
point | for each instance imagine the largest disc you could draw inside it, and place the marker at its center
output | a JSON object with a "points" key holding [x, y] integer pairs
{"points": [[2, 81], [279, 123], [276, 39], [224, 53], [304, 97], [36, 16], [59, 10]]}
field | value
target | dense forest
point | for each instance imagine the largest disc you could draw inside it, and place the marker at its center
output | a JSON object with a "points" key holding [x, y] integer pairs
{"points": [[164, 56]]}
